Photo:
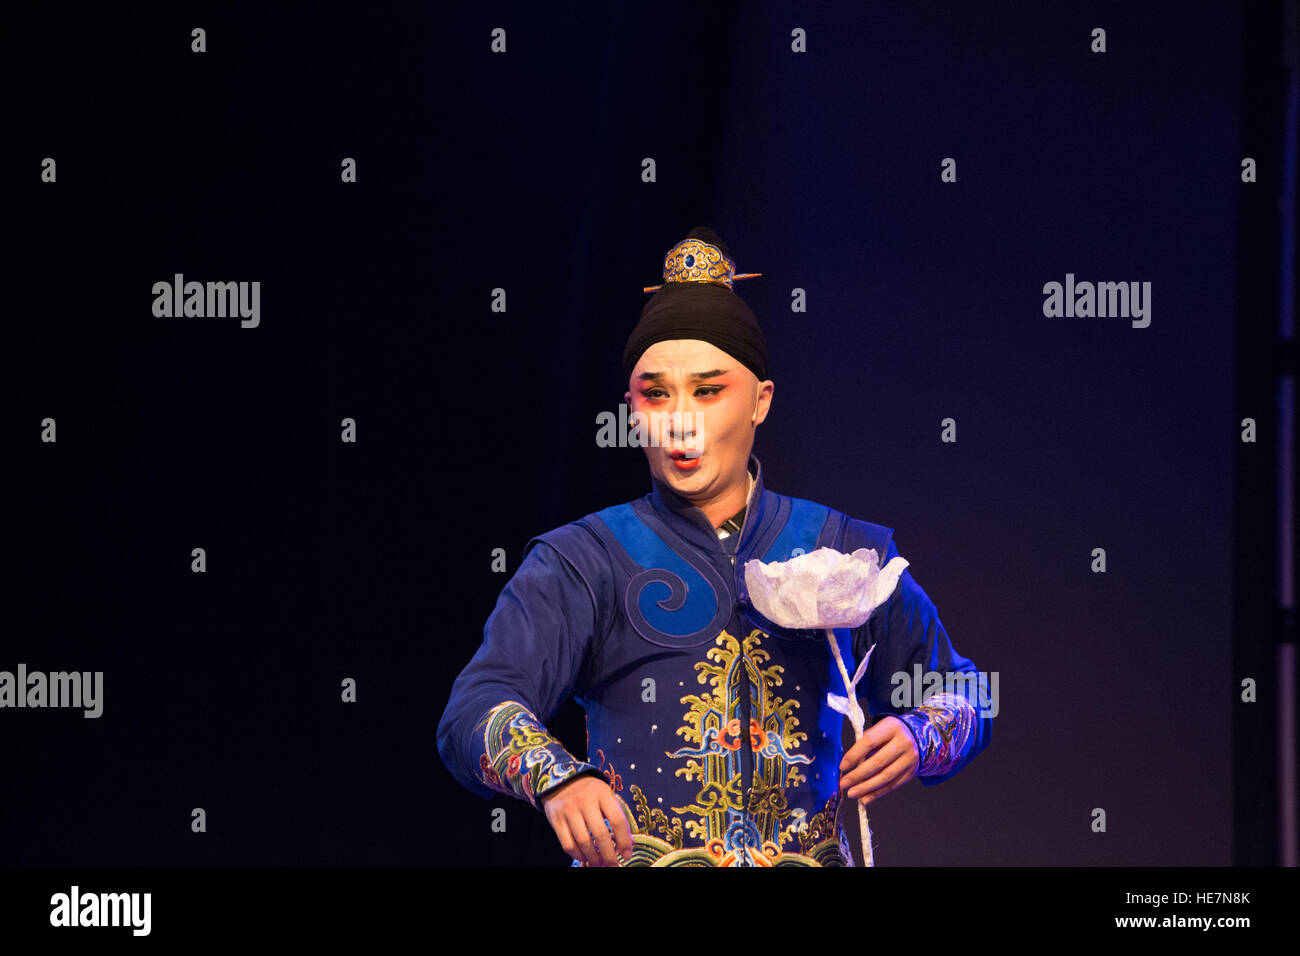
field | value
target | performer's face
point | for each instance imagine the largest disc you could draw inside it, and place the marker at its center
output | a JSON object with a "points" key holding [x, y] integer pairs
{"points": [[702, 406]]}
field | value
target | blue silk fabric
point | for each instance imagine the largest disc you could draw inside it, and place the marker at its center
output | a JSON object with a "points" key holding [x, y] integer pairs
{"points": [[709, 722]]}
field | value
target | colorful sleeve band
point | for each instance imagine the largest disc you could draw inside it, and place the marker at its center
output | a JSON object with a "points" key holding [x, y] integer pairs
{"points": [[520, 757], [944, 728]]}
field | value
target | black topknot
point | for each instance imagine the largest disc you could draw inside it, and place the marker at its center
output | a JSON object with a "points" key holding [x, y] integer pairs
{"points": [[709, 236]]}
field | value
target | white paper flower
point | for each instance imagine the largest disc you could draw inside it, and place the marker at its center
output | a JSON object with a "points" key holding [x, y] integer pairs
{"points": [[824, 588], [828, 589]]}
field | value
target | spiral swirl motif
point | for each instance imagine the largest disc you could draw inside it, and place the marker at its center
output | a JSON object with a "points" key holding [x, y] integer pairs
{"points": [[653, 616], [673, 598]]}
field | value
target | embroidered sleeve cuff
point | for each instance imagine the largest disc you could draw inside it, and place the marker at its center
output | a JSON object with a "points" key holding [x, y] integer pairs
{"points": [[520, 757], [944, 727]]}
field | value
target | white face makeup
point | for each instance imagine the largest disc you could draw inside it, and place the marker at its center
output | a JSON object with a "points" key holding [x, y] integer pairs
{"points": [[701, 406]]}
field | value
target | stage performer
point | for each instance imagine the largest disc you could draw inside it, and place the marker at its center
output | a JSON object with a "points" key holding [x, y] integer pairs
{"points": [[709, 737]]}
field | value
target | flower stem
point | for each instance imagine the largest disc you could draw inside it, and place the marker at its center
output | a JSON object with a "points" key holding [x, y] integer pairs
{"points": [[858, 721]]}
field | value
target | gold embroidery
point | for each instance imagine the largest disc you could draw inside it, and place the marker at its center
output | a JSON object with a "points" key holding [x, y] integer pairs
{"points": [[656, 821], [712, 734], [772, 834]]}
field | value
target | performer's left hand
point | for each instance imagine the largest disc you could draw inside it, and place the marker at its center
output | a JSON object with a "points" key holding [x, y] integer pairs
{"points": [[884, 758]]}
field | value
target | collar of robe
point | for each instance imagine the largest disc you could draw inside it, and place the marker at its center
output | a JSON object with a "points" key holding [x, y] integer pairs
{"points": [[689, 521]]}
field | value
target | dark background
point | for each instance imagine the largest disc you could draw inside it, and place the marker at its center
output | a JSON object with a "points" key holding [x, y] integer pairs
{"points": [[476, 429]]}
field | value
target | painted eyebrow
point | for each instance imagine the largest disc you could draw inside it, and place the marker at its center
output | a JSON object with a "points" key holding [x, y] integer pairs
{"points": [[695, 377]]}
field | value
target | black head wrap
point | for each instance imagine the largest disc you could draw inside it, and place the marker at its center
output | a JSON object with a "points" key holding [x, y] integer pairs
{"points": [[697, 302]]}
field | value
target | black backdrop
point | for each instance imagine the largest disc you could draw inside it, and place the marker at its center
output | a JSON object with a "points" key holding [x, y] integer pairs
{"points": [[476, 429]]}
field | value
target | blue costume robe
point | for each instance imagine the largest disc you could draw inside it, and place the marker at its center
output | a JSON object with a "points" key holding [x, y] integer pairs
{"points": [[641, 613]]}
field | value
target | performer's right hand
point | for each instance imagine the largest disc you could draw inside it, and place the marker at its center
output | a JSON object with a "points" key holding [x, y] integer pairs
{"points": [[577, 810]]}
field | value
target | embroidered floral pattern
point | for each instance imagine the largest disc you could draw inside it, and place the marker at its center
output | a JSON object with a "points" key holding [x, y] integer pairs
{"points": [[943, 727], [520, 757], [733, 830]]}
